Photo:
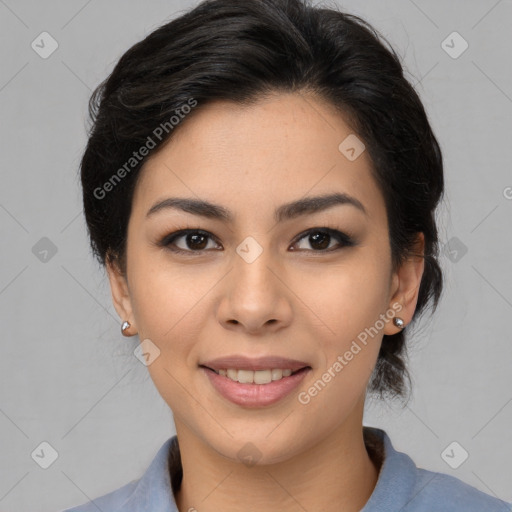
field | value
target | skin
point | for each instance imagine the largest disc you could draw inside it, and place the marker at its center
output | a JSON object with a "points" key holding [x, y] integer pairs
{"points": [[304, 303]]}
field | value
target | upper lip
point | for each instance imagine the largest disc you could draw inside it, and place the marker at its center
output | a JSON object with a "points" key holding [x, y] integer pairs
{"points": [[240, 362]]}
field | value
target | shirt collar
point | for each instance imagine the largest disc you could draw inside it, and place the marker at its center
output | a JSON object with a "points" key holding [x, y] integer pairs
{"points": [[397, 477], [394, 488], [153, 492]]}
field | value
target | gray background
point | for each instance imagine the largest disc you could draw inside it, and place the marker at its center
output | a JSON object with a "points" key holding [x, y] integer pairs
{"points": [[69, 378]]}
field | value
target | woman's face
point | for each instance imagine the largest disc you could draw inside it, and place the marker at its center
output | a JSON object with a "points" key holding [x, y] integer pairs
{"points": [[258, 285]]}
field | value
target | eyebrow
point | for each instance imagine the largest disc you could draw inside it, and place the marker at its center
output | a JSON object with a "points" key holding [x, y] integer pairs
{"points": [[288, 211]]}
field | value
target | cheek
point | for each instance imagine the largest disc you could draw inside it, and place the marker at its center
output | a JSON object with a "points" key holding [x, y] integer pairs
{"points": [[347, 341], [164, 299], [169, 311], [171, 308], [346, 298], [343, 318]]}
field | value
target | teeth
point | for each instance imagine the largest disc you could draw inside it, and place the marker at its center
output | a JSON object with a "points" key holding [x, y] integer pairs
{"points": [[255, 377]]}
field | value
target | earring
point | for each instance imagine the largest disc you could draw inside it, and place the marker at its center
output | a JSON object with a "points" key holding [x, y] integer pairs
{"points": [[125, 325], [398, 322]]}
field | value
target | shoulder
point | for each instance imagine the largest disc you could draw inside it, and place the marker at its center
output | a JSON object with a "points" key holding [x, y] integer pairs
{"points": [[439, 491], [150, 493], [108, 502], [403, 486]]}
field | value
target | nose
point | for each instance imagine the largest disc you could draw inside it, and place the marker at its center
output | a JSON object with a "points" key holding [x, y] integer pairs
{"points": [[256, 298]]}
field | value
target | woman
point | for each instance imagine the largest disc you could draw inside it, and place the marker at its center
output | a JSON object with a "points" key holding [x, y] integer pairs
{"points": [[260, 182]]}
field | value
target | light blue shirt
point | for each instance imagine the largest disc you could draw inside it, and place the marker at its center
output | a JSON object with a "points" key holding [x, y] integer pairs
{"points": [[401, 487]]}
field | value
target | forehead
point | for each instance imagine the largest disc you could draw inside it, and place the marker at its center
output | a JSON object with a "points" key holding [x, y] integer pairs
{"points": [[256, 157]]}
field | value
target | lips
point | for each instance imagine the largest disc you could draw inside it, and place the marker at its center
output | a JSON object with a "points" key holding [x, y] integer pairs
{"points": [[241, 362], [253, 395]]}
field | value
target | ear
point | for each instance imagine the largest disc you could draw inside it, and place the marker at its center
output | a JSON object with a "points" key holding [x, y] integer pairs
{"points": [[406, 286], [121, 296]]}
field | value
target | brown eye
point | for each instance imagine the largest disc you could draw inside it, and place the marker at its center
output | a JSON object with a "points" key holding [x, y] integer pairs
{"points": [[320, 239], [195, 241], [190, 240]]}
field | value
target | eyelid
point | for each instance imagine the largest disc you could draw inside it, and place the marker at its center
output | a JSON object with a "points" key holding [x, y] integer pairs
{"points": [[171, 237], [345, 240]]}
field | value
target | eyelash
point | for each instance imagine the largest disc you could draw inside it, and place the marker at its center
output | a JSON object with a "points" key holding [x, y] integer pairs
{"points": [[342, 238]]}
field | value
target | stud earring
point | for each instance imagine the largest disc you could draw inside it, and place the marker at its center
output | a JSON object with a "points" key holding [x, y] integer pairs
{"points": [[398, 322], [125, 325]]}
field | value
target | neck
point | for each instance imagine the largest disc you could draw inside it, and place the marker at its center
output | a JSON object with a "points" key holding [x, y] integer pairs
{"points": [[335, 474]]}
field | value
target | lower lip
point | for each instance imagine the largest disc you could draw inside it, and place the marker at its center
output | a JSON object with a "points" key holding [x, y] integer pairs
{"points": [[255, 395]]}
